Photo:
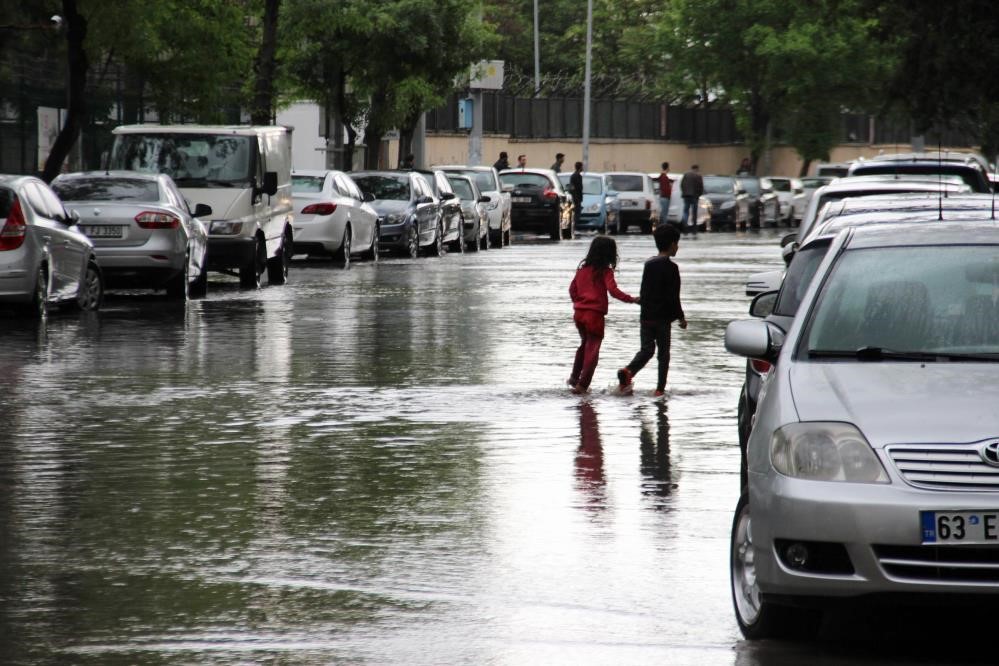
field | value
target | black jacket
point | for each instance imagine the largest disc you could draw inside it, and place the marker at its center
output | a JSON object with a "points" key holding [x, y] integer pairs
{"points": [[660, 292]]}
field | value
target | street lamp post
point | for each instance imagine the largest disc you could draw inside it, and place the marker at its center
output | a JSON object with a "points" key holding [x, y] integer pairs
{"points": [[537, 52], [586, 85]]}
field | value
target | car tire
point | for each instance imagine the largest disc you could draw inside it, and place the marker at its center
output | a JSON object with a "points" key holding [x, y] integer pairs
{"points": [[555, 229], [477, 236], [436, 249], [179, 286], [759, 618], [458, 244], [371, 254], [252, 269], [412, 241], [277, 266], [91, 293], [508, 236], [39, 306], [199, 288], [484, 243], [342, 254]]}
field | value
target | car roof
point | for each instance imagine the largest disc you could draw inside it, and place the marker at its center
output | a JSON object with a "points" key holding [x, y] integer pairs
{"points": [[595, 174], [917, 211], [627, 173], [960, 231], [925, 156], [892, 182], [311, 172], [462, 167], [540, 172], [12, 179], [133, 175]]}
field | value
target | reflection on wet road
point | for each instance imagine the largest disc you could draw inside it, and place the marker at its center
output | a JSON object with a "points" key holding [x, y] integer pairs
{"points": [[379, 465]]}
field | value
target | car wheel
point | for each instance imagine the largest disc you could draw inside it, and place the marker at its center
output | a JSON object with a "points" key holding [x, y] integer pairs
{"points": [[647, 227], [179, 287], [555, 229], [477, 236], [199, 288], [372, 252], [40, 298], [437, 248], [757, 617], [508, 237], [342, 255], [277, 266], [412, 241], [91, 293], [485, 239], [744, 425], [458, 244], [249, 272]]}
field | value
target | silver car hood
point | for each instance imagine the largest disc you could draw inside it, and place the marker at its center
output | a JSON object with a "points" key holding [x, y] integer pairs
{"points": [[895, 402]]}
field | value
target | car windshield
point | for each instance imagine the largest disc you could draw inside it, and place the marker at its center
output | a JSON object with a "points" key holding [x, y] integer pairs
{"points": [[107, 189], [591, 184], [717, 185], [462, 188], [815, 182], [799, 275], [919, 300], [392, 188], [626, 183], [521, 179], [307, 184], [751, 185], [192, 160], [780, 184]]}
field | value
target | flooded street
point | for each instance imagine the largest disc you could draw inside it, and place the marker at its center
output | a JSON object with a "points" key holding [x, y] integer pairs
{"points": [[379, 465]]}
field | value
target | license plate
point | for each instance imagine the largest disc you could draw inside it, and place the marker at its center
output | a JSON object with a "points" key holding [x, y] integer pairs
{"points": [[520, 199], [628, 203], [970, 527], [103, 230]]}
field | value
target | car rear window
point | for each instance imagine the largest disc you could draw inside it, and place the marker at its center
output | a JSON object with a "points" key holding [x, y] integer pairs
{"points": [[591, 184], [623, 183], [307, 184], [716, 185], [107, 189], [519, 179], [7, 198], [781, 185]]}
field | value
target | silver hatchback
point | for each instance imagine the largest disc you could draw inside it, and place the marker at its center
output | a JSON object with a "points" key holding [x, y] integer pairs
{"points": [[873, 463], [44, 258]]}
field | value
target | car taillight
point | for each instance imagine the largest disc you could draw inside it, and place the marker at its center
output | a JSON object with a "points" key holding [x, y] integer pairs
{"points": [[549, 193], [648, 204], [762, 367], [319, 209], [14, 229], [155, 220]]}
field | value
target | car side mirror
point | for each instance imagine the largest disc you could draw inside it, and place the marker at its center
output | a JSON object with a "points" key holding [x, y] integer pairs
{"points": [[424, 199], [72, 218], [485, 198], [270, 186], [753, 338], [743, 192], [763, 304], [611, 193], [790, 238], [202, 210], [368, 197], [445, 196]]}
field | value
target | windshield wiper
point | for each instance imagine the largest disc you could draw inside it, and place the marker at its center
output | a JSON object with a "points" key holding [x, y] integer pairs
{"points": [[206, 182], [882, 354]]}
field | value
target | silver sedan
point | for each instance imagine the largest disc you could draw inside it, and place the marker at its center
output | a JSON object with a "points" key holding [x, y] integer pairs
{"points": [[44, 259], [144, 233], [873, 463]]}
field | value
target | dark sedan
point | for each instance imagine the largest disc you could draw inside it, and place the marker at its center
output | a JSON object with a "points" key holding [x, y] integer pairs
{"points": [[729, 202], [450, 208], [408, 211], [764, 205], [538, 202]]}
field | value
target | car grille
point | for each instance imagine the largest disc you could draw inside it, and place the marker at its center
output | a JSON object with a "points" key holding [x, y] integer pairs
{"points": [[955, 564], [944, 467]]}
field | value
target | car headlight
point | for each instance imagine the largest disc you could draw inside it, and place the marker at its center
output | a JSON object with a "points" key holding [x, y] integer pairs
{"points": [[226, 227], [822, 451], [609, 201], [395, 218], [592, 208], [492, 204], [727, 205]]}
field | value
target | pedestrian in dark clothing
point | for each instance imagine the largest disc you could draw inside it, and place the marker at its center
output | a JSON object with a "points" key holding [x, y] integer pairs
{"points": [[660, 299], [691, 189], [745, 167], [502, 162], [408, 162], [665, 192], [576, 190], [559, 159], [593, 280]]}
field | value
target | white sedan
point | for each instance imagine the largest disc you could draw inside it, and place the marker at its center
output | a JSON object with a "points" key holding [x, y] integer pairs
{"points": [[332, 217]]}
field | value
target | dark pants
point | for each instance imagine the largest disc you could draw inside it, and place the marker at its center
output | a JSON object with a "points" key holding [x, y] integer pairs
{"points": [[577, 211], [590, 325], [653, 334], [689, 215]]}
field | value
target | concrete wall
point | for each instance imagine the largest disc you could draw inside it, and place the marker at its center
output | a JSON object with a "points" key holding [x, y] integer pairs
{"points": [[307, 147]]}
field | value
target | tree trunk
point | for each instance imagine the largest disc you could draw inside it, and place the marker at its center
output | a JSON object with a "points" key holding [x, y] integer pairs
{"points": [[76, 111], [265, 68], [805, 166], [348, 153]]}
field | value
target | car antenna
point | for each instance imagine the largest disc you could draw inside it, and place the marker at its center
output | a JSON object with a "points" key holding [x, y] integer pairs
{"points": [[995, 179], [940, 176]]}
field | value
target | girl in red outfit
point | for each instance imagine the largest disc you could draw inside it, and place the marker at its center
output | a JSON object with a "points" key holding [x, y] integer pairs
{"points": [[588, 290]]}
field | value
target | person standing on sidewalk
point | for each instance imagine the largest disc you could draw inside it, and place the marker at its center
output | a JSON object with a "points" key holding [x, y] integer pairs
{"points": [[589, 288], [576, 191], [557, 165], [665, 193], [691, 189], [660, 299], [502, 162]]}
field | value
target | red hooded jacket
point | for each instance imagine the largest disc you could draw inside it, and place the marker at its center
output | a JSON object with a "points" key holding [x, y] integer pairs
{"points": [[590, 286]]}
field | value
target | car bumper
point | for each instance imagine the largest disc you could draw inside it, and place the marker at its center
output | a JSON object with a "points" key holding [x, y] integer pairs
{"points": [[877, 526], [322, 235], [533, 218], [592, 221], [394, 236]]}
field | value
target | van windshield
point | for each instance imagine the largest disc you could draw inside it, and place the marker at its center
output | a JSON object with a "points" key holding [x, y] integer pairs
{"points": [[192, 160]]}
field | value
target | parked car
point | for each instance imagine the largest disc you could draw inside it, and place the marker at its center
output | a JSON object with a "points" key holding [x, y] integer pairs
{"points": [[600, 204], [498, 207], [729, 202], [763, 203], [539, 202], [791, 195], [332, 216], [810, 184], [832, 169], [450, 208], [45, 259], [872, 464], [705, 209], [144, 233], [408, 212], [970, 167], [637, 199], [475, 217], [243, 173], [854, 212]]}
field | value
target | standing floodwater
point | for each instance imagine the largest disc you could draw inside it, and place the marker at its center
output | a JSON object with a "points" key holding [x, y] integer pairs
{"points": [[379, 465]]}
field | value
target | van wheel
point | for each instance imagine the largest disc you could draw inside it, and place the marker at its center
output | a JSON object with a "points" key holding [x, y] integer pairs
{"points": [[277, 266], [343, 254], [249, 272], [757, 617]]}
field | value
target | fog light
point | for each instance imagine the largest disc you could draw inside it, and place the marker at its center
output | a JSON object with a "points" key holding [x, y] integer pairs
{"points": [[797, 555]]}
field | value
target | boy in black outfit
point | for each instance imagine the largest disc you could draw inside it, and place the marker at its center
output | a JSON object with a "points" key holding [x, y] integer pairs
{"points": [[660, 300]]}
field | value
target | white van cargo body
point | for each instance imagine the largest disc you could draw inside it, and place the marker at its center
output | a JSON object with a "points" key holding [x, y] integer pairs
{"points": [[242, 172]]}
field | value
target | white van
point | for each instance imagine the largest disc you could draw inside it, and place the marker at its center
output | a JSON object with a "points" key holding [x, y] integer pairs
{"points": [[242, 172]]}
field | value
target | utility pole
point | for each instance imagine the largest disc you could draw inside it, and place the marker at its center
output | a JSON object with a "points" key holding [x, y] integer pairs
{"points": [[537, 52], [586, 85]]}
